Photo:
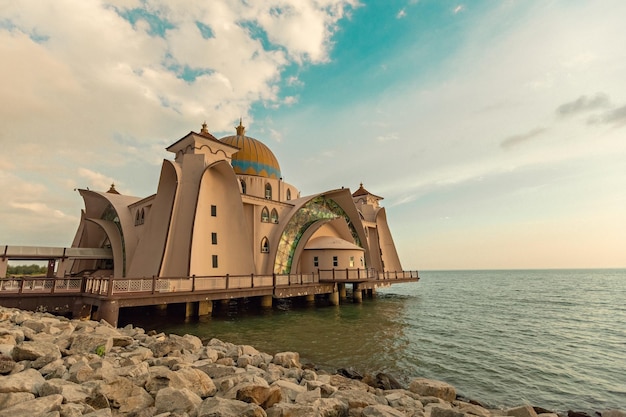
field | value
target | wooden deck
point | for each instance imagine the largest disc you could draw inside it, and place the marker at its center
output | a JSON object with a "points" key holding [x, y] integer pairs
{"points": [[80, 295]]}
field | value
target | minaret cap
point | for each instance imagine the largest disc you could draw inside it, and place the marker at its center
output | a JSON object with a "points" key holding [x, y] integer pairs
{"points": [[112, 190], [241, 130], [204, 129]]}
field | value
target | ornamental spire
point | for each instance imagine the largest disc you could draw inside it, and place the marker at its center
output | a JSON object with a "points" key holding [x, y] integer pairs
{"points": [[241, 130]]}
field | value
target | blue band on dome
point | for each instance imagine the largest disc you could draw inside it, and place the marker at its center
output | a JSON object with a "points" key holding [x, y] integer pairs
{"points": [[244, 167]]}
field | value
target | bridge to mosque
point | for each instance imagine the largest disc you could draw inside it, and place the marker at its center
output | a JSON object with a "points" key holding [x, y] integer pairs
{"points": [[101, 297]]}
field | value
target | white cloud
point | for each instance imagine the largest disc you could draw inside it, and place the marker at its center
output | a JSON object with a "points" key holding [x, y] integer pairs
{"points": [[91, 96], [458, 9], [401, 14]]}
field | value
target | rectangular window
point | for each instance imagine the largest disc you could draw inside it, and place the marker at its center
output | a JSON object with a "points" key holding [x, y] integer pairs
{"points": [[352, 262], [214, 261], [316, 261], [335, 261], [213, 210], [214, 238]]}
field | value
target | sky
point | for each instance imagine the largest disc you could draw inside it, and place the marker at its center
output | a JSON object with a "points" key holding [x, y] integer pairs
{"points": [[494, 130]]}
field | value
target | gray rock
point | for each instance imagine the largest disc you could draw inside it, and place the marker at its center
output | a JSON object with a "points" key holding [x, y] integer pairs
{"points": [[358, 398], [430, 387], [308, 397], [138, 400], [197, 381], [91, 343], [215, 406], [161, 377], [438, 411], [37, 407], [27, 381], [325, 407], [32, 351], [521, 411], [474, 409], [289, 390], [287, 359], [71, 392], [380, 410], [176, 400], [9, 399]]}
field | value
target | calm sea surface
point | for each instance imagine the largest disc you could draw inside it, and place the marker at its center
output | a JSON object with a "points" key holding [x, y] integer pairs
{"points": [[549, 338]]}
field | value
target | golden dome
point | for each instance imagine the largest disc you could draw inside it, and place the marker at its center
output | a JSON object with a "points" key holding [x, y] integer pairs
{"points": [[253, 158]]}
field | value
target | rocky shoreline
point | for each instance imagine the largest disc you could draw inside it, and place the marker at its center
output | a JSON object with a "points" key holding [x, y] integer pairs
{"points": [[51, 366]]}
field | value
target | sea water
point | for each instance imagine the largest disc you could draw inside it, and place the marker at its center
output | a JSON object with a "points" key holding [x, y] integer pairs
{"points": [[549, 338]]}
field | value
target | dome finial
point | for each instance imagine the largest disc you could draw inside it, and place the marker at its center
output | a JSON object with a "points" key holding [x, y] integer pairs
{"points": [[204, 129], [240, 129], [112, 190]]}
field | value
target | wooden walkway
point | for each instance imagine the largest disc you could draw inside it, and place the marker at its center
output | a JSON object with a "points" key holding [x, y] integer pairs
{"points": [[106, 295]]}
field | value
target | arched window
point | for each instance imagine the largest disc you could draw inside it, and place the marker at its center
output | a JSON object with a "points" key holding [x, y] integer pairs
{"points": [[142, 217], [137, 218], [265, 245], [274, 216], [265, 215], [243, 187], [288, 194], [268, 191]]}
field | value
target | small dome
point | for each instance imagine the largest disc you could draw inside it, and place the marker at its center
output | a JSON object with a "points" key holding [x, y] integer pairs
{"points": [[253, 158]]}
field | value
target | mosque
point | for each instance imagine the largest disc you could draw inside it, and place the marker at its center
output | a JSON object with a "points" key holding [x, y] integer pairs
{"points": [[222, 207]]}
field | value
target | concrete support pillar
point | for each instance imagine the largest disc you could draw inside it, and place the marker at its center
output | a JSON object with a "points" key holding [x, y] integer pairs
{"points": [[342, 291], [62, 265], [266, 301], [81, 310], [310, 298], [4, 263], [205, 308], [109, 312], [333, 298], [357, 293], [191, 309]]}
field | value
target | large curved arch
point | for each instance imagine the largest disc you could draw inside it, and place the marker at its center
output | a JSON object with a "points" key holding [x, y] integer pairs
{"points": [[311, 212], [219, 187], [149, 255], [113, 233], [389, 254]]}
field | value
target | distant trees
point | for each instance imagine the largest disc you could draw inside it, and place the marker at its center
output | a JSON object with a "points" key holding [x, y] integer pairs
{"points": [[26, 269]]}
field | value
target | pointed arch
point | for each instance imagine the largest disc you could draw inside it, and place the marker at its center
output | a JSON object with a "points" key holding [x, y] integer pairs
{"points": [[265, 215], [274, 216], [268, 191], [265, 245]]}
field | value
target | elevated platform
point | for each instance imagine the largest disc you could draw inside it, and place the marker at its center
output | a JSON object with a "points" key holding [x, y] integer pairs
{"points": [[102, 297]]}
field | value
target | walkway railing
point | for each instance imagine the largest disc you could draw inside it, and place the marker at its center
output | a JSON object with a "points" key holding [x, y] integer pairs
{"points": [[108, 286]]}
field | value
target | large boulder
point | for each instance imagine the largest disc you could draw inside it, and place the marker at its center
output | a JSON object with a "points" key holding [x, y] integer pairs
{"points": [[221, 407], [521, 411], [431, 387], [71, 392], [176, 401], [287, 359], [380, 410], [8, 399], [32, 351], [197, 381], [91, 343], [27, 381], [34, 408], [358, 398]]}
